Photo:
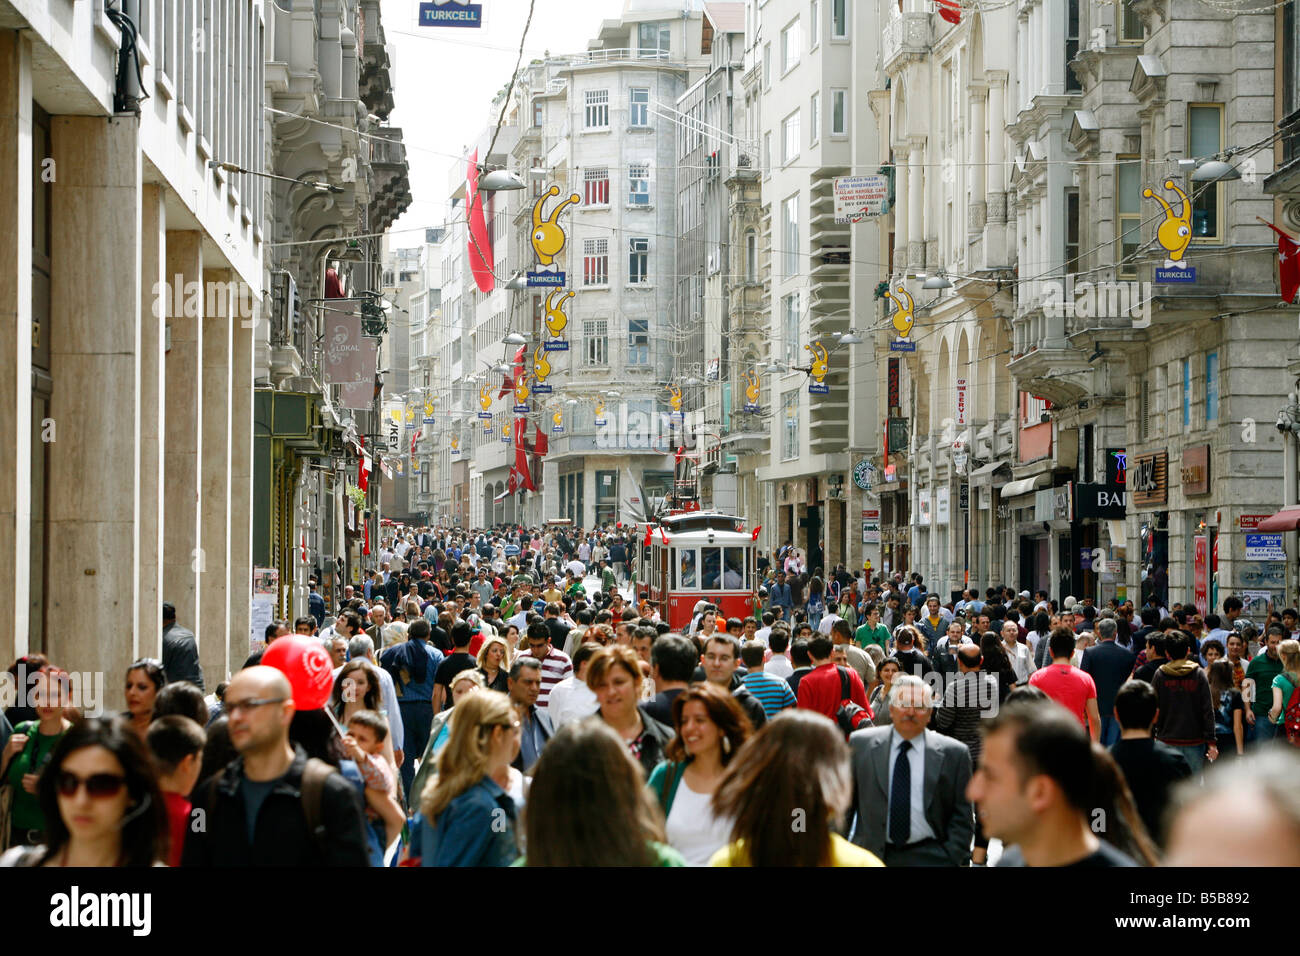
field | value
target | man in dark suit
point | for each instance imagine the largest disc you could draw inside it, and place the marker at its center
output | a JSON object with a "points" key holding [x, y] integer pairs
{"points": [[1110, 665], [535, 727], [909, 801], [180, 653]]}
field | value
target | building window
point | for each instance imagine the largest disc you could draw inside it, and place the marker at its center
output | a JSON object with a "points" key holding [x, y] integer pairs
{"points": [[654, 40], [638, 99], [539, 109], [839, 112], [814, 119], [839, 19], [791, 46], [1211, 388], [1071, 231], [1144, 409], [638, 184], [595, 262], [1072, 84], [638, 261], [1128, 207], [1130, 25], [814, 24], [790, 138], [790, 327], [596, 115], [767, 154], [595, 184], [790, 236], [751, 257], [1205, 138], [1187, 393], [790, 429], [767, 66], [638, 341], [595, 342]]}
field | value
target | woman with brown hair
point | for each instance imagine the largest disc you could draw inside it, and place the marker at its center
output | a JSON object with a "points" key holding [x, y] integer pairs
{"points": [[589, 806], [614, 676], [796, 769], [711, 729]]}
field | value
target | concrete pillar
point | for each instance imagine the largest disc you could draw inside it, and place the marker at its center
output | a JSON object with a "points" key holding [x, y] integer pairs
{"points": [[214, 474], [15, 336], [94, 358], [996, 195], [241, 485], [182, 450], [978, 131], [153, 311], [915, 201]]}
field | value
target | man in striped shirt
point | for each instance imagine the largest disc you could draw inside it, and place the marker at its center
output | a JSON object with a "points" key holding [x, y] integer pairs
{"points": [[555, 664], [773, 692]]}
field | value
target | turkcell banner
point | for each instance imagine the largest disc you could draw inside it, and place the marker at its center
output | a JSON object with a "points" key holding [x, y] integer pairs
{"points": [[449, 13]]}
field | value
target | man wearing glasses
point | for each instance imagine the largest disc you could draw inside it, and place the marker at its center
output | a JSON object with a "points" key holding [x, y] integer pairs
{"points": [[262, 809]]}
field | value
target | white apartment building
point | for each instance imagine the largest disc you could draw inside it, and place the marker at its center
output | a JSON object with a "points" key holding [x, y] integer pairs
{"points": [[816, 62]]}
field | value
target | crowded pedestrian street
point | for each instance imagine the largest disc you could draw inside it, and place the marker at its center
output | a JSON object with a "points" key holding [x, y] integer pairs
{"points": [[666, 434]]}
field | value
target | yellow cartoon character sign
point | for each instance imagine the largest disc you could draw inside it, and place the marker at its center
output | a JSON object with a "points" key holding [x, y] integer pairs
{"points": [[600, 411], [751, 390], [558, 419], [820, 366], [428, 412], [548, 240], [521, 394], [556, 320], [903, 320], [455, 444], [541, 372], [505, 433], [1175, 233], [674, 400], [485, 402]]}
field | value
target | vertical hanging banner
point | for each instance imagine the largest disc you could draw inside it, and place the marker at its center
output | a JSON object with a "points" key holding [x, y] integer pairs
{"points": [[344, 345], [960, 419], [818, 369], [450, 13], [361, 394], [548, 241], [393, 427], [541, 372], [751, 391], [556, 320], [902, 320]]}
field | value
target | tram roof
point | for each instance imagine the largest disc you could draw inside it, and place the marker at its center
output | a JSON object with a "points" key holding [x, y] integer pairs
{"points": [[702, 521]]}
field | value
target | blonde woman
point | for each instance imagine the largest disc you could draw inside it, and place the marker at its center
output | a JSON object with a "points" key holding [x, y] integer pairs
{"points": [[467, 817], [1286, 685], [494, 660], [462, 684]]}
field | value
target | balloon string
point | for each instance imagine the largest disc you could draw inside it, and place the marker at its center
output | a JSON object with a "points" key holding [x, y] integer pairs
{"points": [[334, 720]]}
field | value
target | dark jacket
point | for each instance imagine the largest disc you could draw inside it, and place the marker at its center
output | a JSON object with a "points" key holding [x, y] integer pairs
{"points": [[655, 739], [751, 705], [1186, 709], [547, 729], [180, 655], [281, 837], [1110, 666], [316, 607]]}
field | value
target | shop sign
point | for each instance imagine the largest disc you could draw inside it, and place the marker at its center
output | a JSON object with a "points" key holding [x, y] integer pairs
{"points": [[1148, 479], [1063, 502], [1265, 547], [1116, 466], [1196, 470], [923, 508], [941, 507], [1250, 522], [449, 13], [1044, 504], [1101, 501], [1200, 573], [1269, 575], [871, 532]]}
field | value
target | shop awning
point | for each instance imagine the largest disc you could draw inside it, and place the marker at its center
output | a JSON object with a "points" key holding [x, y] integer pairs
{"points": [[1013, 489], [983, 475], [1288, 519]]}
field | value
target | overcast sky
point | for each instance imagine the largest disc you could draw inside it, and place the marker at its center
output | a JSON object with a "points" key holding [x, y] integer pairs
{"points": [[446, 77]]}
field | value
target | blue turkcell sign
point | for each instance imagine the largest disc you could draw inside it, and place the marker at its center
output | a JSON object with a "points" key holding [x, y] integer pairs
{"points": [[902, 345], [555, 345], [542, 390], [815, 389], [451, 14], [1187, 274], [545, 280]]}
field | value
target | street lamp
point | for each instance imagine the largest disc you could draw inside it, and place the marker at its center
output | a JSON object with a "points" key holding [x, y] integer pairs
{"points": [[850, 337], [518, 283], [514, 338], [937, 281], [319, 186], [500, 180], [1215, 171]]}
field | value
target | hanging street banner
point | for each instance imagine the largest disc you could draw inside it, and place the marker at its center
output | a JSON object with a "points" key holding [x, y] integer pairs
{"points": [[556, 320], [393, 427], [961, 403], [860, 197], [345, 346], [449, 13], [548, 241], [902, 320], [361, 394]]}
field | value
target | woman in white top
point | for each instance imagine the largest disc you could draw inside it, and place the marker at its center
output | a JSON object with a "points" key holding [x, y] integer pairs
{"points": [[1019, 655], [711, 728]]}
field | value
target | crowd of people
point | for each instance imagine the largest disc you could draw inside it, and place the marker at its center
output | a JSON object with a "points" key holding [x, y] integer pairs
{"points": [[492, 705]]}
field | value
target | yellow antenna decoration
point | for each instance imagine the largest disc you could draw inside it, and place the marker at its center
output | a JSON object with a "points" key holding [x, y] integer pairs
{"points": [[1175, 233], [751, 387], [548, 237], [820, 365], [485, 397], [521, 389], [903, 320], [556, 320], [541, 367], [675, 397]]}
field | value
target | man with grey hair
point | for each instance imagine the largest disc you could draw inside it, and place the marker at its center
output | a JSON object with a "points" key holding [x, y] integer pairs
{"points": [[1109, 664], [362, 647], [910, 806]]}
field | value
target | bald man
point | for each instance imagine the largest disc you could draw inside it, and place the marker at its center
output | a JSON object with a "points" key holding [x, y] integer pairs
{"points": [[272, 806]]}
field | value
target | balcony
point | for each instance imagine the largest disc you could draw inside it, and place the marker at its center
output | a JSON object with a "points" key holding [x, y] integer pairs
{"points": [[375, 86], [906, 40], [392, 194]]}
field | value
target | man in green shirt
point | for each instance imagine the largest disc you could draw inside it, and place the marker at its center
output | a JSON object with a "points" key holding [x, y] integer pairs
{"points": [[872, 631], [1260, 673]]}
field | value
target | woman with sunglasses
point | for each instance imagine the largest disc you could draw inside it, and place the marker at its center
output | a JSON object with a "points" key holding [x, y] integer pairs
{"points": [[29, 751], [144, 679], [101, 802]]}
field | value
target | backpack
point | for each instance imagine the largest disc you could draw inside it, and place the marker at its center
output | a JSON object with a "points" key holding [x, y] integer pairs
{"points": [[312, 790], [849, 716], [1291, 717]]}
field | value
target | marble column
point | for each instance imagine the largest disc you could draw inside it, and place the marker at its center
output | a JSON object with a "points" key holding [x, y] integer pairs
{"points": [[153, 311], [214, 474], [15, 336], [978, 132], [996, 195], [241, 484], [94, 362], [915, 206], [182, 450]]}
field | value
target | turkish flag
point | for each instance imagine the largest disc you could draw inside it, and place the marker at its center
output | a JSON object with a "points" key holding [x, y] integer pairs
{"points": [[667, 540], [541, 445], [950, 10], [480, 243], [363, 472], [754, 537], [304, 547], [1288, 264], [366, 525]]}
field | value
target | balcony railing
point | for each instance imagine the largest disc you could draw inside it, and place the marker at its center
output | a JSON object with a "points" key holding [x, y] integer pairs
{"points": [[906, 37]]}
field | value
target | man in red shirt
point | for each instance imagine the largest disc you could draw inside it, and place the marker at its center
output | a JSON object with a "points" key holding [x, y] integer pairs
{"points": [[821, 688], [1066, 684], [176, 743]]}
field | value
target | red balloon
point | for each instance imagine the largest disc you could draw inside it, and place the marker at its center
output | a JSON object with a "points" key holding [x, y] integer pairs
{"points": [[307, 665]]}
